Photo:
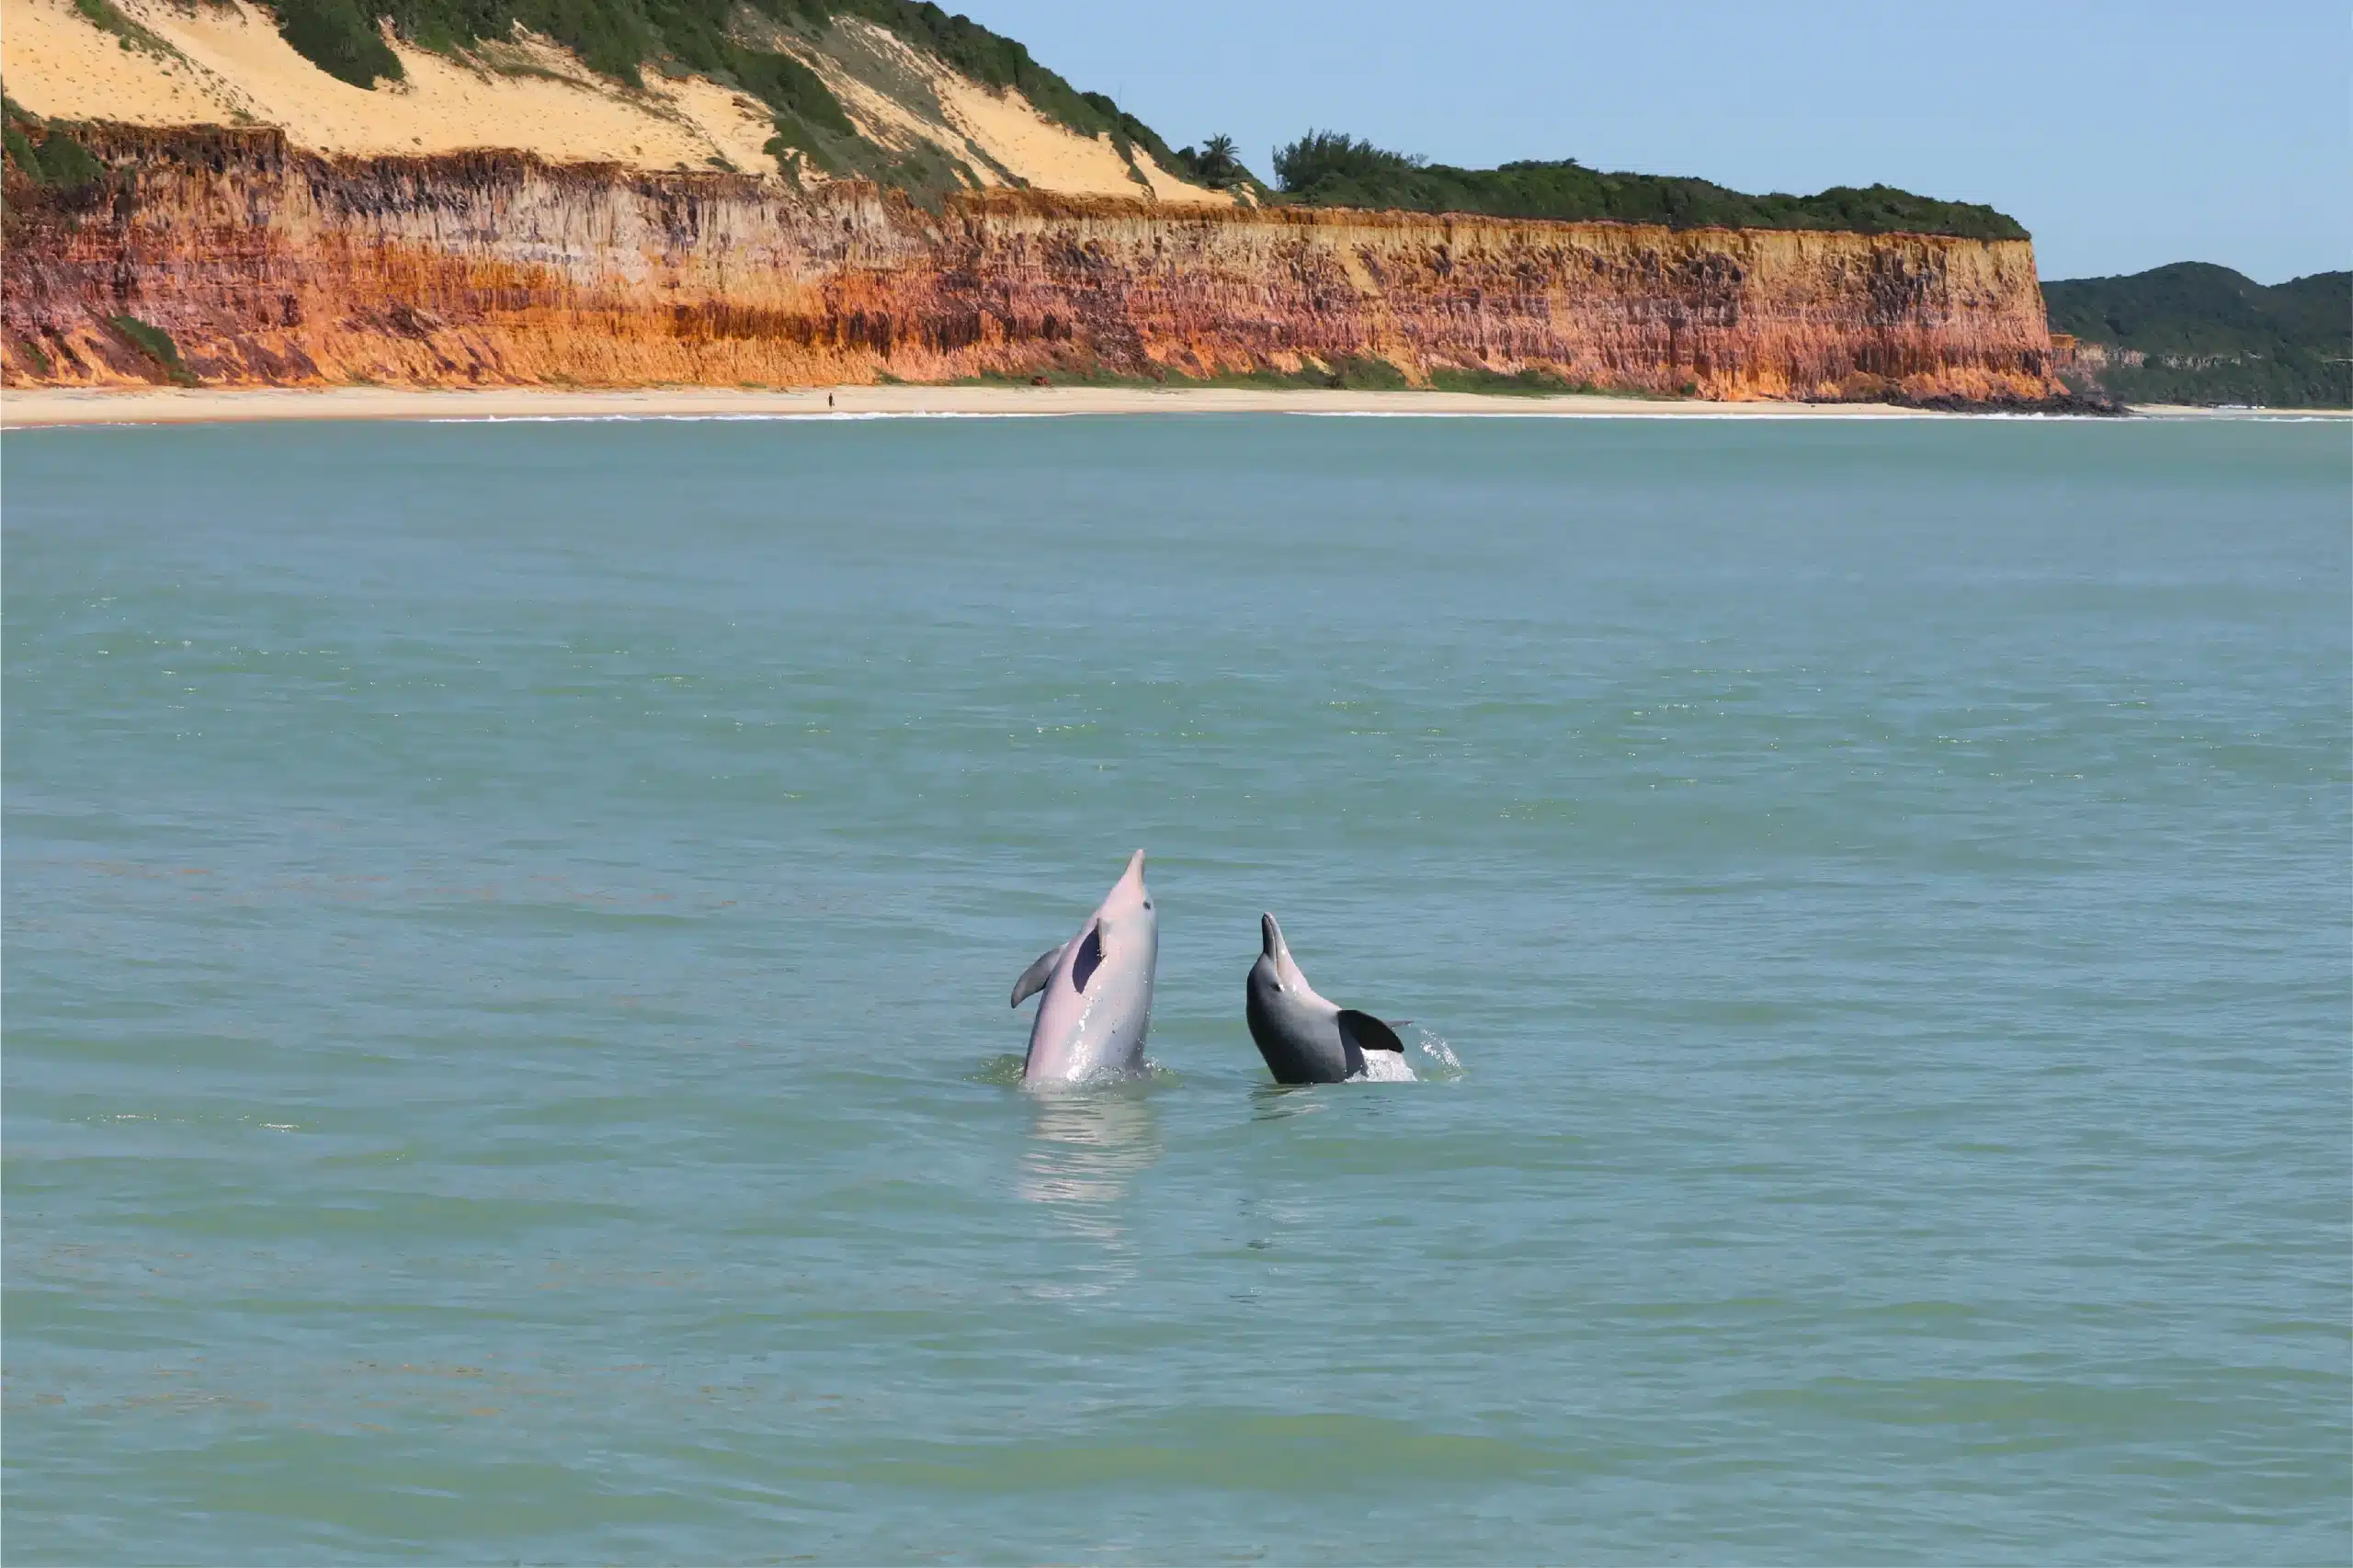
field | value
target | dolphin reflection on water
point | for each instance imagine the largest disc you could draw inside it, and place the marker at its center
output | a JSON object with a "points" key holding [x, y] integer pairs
{"points": [[1088, 1148], [1085, 1155]]}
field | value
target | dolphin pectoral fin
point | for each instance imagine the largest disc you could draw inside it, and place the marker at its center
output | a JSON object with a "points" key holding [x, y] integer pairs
{"points": [[1033, 979], [1362, 1032]]}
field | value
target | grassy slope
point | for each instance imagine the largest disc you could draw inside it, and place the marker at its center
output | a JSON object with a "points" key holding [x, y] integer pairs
{"points": [[2213, 335]]}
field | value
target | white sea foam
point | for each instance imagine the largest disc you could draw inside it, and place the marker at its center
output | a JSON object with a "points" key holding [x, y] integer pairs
{"points": [[817, 417], [1385, 1067]]}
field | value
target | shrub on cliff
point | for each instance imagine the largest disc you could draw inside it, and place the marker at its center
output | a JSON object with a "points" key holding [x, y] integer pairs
{"points": [[107, 17], [1214, 164], [20, 153], [57, 162], [157, 345], [1327, 168], [65, 163], [337, 37], [786, 85], [1328, 159]]}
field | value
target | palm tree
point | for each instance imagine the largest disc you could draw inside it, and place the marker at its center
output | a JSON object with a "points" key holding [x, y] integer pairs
{"points": [[1216, 163]]}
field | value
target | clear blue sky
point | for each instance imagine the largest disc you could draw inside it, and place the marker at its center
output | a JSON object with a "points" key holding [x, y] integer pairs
{"points": [[2123, 135]]}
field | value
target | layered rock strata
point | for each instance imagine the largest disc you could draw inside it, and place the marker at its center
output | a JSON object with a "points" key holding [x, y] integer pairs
{"points": [[268, 266]]}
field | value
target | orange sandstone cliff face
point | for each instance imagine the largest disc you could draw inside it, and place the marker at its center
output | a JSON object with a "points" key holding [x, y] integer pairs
{"points": [[271, 266]]}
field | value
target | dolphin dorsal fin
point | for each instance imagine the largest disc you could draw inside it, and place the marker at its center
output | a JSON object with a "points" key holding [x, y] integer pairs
{"points": [[1033, 979]]}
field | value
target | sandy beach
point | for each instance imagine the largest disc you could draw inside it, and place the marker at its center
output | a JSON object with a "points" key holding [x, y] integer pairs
{"points": [[29, 408], [25, 408]]}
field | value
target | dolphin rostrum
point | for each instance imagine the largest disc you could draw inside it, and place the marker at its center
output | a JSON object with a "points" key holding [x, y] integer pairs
{"points": [[1305, 1038], [1097, 988]]}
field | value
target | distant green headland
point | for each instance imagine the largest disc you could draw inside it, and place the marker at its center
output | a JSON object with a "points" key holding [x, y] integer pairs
{"points": [[2195, 333], [1326, 168]]}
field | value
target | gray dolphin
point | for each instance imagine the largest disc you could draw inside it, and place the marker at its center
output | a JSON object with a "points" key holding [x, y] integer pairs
{"points": [[1305, 1038], [1097, 988]]}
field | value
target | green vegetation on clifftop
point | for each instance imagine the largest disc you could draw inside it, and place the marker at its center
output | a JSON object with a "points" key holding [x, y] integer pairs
{"points": [[1326, 168], [2202, 334], [764, 47]]}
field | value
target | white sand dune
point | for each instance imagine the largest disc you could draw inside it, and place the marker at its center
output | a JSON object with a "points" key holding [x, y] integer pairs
{"points": [[224, 63], [232, 68], [990, 129]]}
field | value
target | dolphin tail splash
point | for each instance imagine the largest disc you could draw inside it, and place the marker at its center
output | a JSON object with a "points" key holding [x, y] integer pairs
{"points": [[1360, 1033]]}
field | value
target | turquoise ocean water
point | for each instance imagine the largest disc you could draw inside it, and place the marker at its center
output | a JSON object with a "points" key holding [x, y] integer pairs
{"points": [[508, 929]]}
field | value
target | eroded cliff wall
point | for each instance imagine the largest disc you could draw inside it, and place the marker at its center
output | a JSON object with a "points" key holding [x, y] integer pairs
{"points": [[268, 265]]}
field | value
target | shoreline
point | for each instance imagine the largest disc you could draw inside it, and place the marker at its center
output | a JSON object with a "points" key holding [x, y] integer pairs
{"points": [[51, 407]]}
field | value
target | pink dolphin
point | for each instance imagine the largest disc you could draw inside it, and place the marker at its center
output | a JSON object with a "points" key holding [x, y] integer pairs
{"points": [[1097, 990]]}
